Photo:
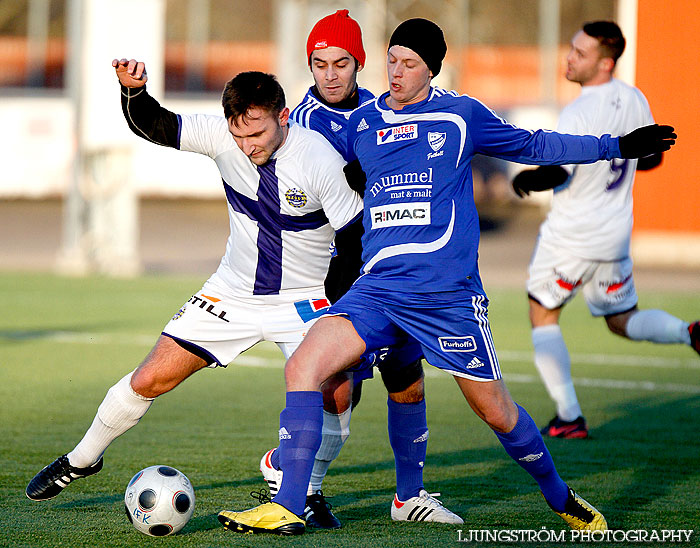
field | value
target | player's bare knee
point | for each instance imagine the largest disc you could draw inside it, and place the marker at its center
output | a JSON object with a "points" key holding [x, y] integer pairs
{"points": [[299, 374], [146, 383], [500, 418]]}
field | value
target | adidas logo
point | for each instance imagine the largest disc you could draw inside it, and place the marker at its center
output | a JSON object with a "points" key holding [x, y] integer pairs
{"points": [[284, 435], [476, 362], [421, 438], [531, 457], [335, 127], [363, 125]]}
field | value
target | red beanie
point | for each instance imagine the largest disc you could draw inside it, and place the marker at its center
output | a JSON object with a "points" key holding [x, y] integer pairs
{"points": [[337, 30]]}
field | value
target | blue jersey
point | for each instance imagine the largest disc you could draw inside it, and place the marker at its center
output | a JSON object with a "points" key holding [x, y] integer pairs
{"points": [[420, 220], [330, 122]]}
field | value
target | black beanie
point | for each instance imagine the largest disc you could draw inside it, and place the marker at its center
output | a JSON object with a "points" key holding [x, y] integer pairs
{"points": [[425, 38]]}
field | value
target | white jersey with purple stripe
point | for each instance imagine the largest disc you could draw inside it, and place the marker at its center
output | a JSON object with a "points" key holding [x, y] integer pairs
{"points": [[283, 215], [591, 214], [330, 122], [420, 220]]}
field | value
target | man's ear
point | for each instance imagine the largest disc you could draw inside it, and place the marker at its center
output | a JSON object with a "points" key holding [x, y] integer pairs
{"points": [[284, 116], [608, 64]]}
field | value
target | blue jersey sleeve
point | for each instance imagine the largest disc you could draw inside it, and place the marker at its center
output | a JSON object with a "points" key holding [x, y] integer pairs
{"points": [[493, 136], [316, 124]]}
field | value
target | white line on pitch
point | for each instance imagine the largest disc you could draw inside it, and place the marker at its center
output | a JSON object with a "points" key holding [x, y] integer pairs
{"points": [[646, 386], [624, 360]]}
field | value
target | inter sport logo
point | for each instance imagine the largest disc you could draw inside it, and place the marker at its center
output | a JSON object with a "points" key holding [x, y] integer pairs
{"points": [[399, 133]]}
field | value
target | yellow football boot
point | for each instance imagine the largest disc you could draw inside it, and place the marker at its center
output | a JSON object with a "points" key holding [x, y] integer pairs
{"points": [[269, 517], [581, 515]]}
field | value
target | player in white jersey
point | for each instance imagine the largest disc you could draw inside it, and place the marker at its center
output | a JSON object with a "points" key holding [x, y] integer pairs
{"points": [[584, 244], [335, 54], [287, 198]]}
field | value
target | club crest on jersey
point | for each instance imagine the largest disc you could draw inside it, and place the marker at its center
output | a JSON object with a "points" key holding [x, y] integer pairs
{"points": [[411, 213], [457, 344], [436, 140], [399, 133], [296, 197]]}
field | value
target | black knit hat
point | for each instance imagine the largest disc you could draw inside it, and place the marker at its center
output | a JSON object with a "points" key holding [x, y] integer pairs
{"points": [[425, 38]]}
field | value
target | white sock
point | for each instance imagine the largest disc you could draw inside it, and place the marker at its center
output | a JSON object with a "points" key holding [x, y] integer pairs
{"points": [[657, 326], [120, 410], [554, 365], [336, 429]]}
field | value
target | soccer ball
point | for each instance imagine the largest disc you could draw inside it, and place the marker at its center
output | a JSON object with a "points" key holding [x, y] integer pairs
{"points": [[159, 501]]}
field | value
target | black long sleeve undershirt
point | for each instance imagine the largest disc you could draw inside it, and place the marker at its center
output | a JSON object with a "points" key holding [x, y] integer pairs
{"points": [[147, 119], [345, 267]]}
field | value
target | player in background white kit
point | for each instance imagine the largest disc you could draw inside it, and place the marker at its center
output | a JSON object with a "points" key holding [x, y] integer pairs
{"points": [[287, 196], [335, 55], [584, 244]]}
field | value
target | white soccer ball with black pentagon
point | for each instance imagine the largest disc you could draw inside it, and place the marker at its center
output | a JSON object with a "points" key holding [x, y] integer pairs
{"points": [[159, 500]]}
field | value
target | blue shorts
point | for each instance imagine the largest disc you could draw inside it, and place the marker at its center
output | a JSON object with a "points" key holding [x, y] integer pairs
{"points": [[451, 328]]}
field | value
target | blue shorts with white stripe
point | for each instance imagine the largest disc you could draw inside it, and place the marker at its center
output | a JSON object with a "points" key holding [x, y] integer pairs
{"points": [[451, 327]]}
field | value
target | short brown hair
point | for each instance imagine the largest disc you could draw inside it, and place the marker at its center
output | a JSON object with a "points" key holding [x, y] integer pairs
{"points": [[249, 90], [609, 36]]}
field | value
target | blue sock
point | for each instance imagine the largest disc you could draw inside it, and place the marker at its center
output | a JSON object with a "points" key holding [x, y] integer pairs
{"points": [[300, 437], [408, 435], [275, 459], [525, 446]]}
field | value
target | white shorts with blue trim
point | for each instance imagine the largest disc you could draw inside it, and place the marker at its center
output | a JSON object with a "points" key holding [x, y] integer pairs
{"points": [[451, 328], [222, 326]]}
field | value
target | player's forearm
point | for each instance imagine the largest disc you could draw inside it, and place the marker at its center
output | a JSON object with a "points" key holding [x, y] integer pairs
{"points": [[551, 148], [147, 119]]}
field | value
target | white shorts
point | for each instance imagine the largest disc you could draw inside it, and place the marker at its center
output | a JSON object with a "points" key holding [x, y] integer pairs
{"points": [[222, 326], [555, 278]]}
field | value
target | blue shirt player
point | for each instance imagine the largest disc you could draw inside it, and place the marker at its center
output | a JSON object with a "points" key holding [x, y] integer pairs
{"points": [[335, 54], [421, 279]]}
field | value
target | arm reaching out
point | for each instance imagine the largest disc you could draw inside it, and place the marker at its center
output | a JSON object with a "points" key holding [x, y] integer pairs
{"points": [[144, 115]]}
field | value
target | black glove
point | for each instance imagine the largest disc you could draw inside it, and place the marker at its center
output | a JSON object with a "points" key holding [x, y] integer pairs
{"points": [[535, 180], [355, 177], [647, 140]]}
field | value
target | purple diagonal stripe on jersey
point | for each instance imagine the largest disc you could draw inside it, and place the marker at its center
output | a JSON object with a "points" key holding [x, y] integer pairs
{"points": [[271, 223]]}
